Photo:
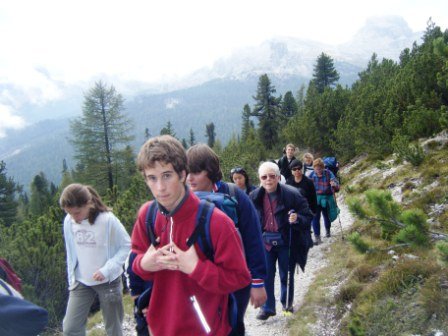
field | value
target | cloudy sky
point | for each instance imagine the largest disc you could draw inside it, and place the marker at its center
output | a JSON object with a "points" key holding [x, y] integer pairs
{"points": [[47, 44]]}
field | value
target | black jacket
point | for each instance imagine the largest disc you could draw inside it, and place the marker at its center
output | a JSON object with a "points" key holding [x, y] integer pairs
{"points": [[283, 164], [307, 189], [289, 198]]}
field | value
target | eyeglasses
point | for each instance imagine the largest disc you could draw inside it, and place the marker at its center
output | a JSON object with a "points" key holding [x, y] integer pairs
{"points": [[237, 170], [296, 168], [265, 177]]}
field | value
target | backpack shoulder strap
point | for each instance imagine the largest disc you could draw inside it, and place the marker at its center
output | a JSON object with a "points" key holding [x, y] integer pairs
{"points": [[234, 197], [201, 233], [151, 214]]}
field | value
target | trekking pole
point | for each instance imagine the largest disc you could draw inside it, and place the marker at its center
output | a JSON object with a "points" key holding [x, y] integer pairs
{"points": [[339, 218], [286, 312]]}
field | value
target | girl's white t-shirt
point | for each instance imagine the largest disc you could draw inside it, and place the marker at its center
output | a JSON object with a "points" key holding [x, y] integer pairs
{"points": [[91, 248]]}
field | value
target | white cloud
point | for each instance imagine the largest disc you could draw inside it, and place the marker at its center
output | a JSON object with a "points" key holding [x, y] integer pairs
{"points": [[49, 44], [146, 40]]}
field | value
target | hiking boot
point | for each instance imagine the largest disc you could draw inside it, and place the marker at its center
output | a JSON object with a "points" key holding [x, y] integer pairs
{"points": [[328, 234], [317, 240], [264, 315]]}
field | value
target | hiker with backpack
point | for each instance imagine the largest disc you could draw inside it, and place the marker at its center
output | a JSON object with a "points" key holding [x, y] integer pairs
{"points": [[239, 176], [332, 164], [326, 184], [286, 224], [190, 291], [205, 175], [286, 159], [97, 246]]}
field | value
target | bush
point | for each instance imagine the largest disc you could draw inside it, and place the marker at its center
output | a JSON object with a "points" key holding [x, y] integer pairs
{"points": [[410, 152], [36, 250]]}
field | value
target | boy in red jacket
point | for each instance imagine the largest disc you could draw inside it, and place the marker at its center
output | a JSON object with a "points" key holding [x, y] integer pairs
{"points": [[190, 292]]}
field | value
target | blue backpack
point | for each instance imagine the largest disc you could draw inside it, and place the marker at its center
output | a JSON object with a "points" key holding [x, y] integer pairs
{"points": [[201, 234], [332, 164], [225, 202]]}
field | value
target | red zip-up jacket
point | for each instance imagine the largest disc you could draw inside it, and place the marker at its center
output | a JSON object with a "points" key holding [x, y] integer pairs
{"points": [[170, 309]]}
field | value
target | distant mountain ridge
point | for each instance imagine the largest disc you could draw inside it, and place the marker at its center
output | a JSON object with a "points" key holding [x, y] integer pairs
{"points": [[386, 36], [215, 94]]}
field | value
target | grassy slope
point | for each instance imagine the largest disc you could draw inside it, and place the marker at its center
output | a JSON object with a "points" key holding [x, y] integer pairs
{"points": [[380, 293]]}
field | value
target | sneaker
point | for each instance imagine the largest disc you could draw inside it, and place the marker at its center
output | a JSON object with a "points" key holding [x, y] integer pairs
{"points": [[290, 309], [328, 234], [264, 315], [317, 240]]}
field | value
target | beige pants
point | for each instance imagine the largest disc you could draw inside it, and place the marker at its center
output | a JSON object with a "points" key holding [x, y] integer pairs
{"points": [[80, 300]]}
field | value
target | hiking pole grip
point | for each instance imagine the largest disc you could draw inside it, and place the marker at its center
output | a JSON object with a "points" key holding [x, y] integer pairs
{"points": [[290, 212]]}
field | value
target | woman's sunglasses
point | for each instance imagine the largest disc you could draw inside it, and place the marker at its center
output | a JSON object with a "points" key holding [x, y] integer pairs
{"points": [[296, 168], [265, 177], [237, 170]]}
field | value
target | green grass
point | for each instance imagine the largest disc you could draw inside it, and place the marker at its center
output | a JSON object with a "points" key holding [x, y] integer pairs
{"points": [[376, 294]]}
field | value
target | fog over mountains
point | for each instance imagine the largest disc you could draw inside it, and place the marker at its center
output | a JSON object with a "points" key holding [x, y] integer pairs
{"points": [[214, 94]]}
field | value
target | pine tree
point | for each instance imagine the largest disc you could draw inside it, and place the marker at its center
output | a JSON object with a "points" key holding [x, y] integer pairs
{"points": [[266, 109], [168, 130], [184, 143], [405, 227], [66, 175], [8, 202], [324, 75], [147, 133], [300, 98], [289, 105], [192, 138], [130, 200], [247, 124], [210, 134], [100, 137], [41, 195]]}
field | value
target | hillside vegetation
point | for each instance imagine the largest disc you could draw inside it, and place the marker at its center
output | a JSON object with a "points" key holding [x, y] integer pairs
{"points": [[387, 285], [381, 117]]}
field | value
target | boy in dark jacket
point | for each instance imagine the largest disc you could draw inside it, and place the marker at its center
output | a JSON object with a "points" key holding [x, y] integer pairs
{"points": [[205, 175], [284, 162]]}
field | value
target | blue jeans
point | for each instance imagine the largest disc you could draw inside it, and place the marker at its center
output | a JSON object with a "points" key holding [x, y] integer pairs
{"points": [[316, 220], [280, 254]]}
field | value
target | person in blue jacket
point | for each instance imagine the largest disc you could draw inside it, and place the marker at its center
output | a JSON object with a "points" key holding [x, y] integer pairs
{"points": [[205, 175], [286, 224]]}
